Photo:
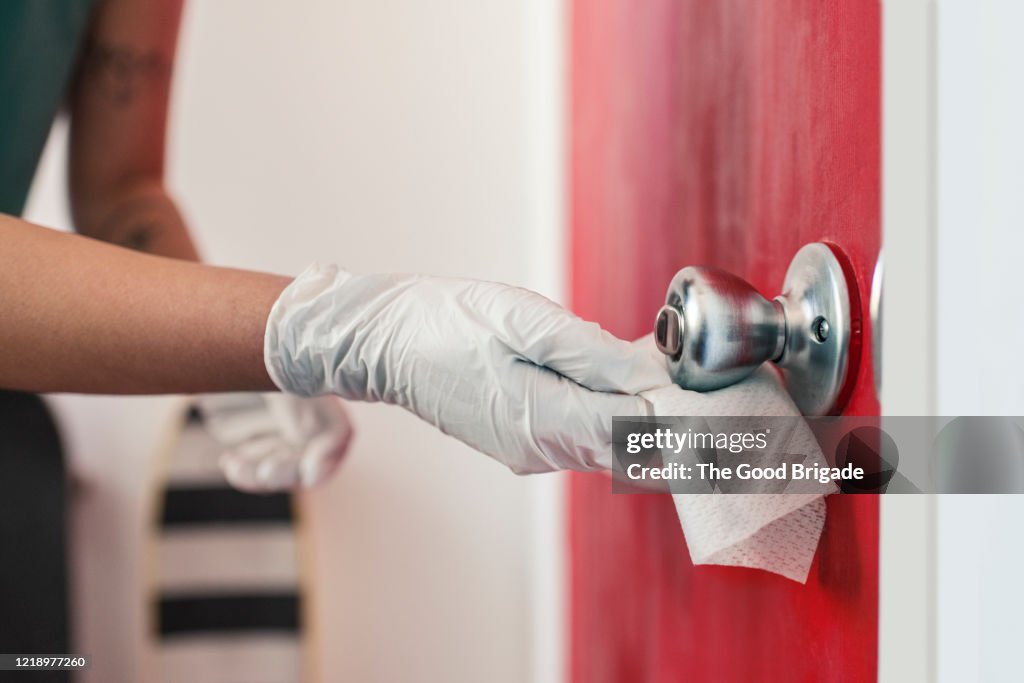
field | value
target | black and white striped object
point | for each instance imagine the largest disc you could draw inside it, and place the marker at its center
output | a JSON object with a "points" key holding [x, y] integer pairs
{"points": [[227, 601]]}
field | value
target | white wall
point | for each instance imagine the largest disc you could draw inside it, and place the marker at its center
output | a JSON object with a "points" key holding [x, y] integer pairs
{"points": [[980, 231], [393, 135]]}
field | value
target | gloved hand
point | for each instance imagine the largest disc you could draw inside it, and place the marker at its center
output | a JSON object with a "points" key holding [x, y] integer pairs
{"points": [[502, 369], [275, 442]]}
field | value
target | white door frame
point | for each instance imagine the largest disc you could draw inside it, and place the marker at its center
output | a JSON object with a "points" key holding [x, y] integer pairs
{"points": [[906, 567]]}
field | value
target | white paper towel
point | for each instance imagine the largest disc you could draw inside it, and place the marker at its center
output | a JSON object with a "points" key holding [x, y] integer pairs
{"points": [[774, 532]]}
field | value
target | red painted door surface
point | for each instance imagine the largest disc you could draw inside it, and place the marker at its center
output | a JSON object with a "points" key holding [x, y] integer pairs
{"points": [[731, 133]]}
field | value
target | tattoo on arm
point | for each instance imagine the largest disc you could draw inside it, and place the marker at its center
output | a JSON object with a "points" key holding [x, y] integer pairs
{"points": [[136, 223], [150, 224], [119, 72], [140, 235]]}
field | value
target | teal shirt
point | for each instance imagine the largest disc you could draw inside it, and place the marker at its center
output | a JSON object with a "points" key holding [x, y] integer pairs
{"points": [[39, 45]]}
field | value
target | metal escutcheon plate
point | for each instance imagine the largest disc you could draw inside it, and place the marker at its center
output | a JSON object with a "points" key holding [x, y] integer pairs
{"points": [[816, 359]]}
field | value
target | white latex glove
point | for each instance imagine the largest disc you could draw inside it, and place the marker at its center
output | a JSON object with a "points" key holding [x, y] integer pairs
{"points": [[502, 369], [276, 442]]}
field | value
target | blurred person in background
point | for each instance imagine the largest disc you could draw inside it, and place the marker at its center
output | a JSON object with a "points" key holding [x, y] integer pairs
{"points": [[125, 307]]}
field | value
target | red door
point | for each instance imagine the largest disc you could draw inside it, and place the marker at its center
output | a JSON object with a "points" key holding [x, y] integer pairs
{"points": [[729, 133]]}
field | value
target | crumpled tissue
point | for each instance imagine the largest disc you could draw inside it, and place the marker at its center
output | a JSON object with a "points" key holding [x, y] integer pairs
{"points": [[776, 532]]}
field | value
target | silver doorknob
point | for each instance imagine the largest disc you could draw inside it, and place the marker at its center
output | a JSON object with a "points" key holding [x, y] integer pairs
{"points": [[715, 329]]}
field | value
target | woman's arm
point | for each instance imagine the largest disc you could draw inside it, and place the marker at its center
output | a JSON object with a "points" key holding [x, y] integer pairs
{"points": [[78, 315], [118, 108], [503, 369]]}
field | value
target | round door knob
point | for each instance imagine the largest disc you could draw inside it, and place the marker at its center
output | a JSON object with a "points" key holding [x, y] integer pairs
{"points": [[715, 329]]}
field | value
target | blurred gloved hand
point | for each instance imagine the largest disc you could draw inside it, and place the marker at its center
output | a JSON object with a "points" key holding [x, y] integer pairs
{"points": [[502, 369], [276, 442]]}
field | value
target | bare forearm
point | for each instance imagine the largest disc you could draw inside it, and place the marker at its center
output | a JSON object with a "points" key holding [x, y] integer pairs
{"points": [[82, 316]]}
